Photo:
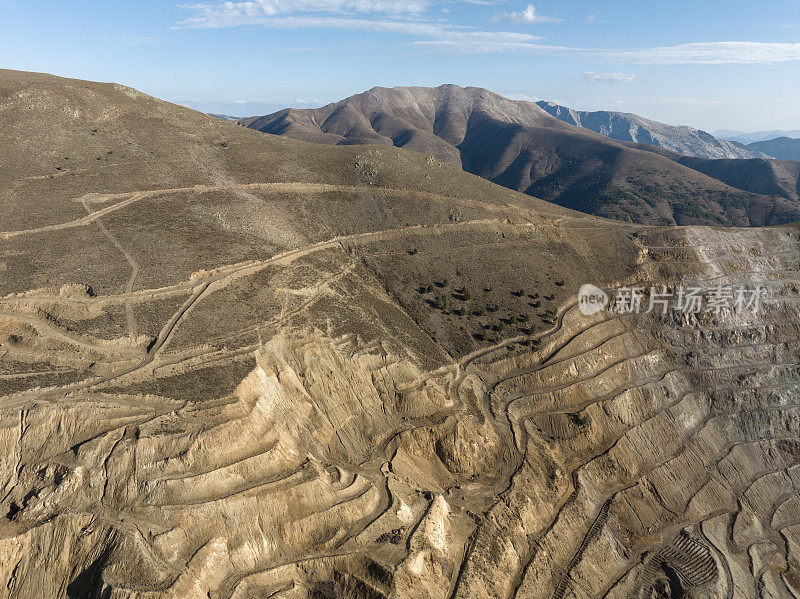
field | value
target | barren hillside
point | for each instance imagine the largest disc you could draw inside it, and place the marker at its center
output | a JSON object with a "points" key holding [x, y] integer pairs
{"points": [[235, 365], [520, 146]]}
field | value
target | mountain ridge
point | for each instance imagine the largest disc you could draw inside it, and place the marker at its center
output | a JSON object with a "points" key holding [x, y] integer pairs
{"points": [[784, 148], [744, 137], [625, 126], [521, 146]]}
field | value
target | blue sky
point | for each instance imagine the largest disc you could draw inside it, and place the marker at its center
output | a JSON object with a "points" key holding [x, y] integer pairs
{"points": [[712, 64]]}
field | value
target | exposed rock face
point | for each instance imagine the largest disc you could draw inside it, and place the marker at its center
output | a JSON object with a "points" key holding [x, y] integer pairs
{"points": [[625, 126], [303, 421], [664, 448], [627, 455]]}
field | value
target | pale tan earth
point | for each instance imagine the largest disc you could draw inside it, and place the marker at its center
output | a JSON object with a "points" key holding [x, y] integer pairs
{"points": [[220, 377]]}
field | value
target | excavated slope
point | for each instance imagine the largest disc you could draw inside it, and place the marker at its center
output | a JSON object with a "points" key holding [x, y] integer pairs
{"points": [[229, 378]]}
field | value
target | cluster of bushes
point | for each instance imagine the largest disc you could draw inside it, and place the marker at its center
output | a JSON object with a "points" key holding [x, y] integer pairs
{"points": [[492, 330], [441, 301]]}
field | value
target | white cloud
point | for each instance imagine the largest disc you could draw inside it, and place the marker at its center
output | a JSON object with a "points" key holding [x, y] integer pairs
{"points": [[395, 16], [441, 35], [405, 27], [521, 97], [528, 15], [609, 77], [465, 44], [405, 17], [695, 53], [710, 53], [229, 14]]}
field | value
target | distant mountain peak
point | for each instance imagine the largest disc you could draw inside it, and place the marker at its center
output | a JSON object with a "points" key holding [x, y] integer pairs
{"points": [[748, 138], [784, 147], [592, 162], [625, 126]]}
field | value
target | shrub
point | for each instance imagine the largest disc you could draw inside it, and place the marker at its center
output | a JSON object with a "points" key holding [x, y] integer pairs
{"points": [[579, 418], [441, 302]]}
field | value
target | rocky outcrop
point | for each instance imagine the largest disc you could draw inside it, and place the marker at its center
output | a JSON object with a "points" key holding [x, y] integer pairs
{"points": [[625, 126]]}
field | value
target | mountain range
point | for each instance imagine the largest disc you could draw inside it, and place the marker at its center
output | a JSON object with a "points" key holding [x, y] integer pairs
{"points": [[748, 138], [630, 127], [785, 148], [523, 147]]}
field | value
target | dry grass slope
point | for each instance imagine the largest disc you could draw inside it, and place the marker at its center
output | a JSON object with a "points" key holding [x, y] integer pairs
{"points": [[520, 146]]}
